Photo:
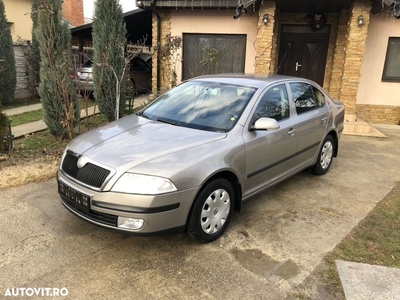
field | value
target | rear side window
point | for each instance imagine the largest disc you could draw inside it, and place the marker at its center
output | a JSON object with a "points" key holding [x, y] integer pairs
{"points": [[319, 97], [306, 97], [274, 104]]}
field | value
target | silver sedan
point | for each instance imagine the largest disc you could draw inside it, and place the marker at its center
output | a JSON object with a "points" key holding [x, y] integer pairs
{"points": [[190, 158]]}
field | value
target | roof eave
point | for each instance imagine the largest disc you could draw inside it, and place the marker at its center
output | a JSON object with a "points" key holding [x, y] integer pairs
{"points": [[189, 4]]}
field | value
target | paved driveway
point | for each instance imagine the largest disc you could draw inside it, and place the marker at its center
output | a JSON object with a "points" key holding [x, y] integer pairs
{"points": [[278, 239]]}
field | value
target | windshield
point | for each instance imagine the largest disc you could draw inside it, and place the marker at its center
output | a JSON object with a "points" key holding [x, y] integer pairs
{"points": [[211, 106]]}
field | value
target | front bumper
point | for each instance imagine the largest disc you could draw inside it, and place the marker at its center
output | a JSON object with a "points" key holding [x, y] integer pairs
{"points": [[161, 213]]}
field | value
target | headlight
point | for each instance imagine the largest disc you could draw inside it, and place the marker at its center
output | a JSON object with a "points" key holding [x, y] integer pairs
{"points": [[143, 184]]}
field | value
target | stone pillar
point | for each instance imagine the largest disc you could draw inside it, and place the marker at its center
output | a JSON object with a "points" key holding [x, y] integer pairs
{"points": [[339, 55], [355, 47], [154, 58], [265, 38], [165, 66]]}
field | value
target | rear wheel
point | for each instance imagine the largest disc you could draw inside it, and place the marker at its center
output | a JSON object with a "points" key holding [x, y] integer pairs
{"points": [[211, 211], [130, 93], [132, 88], [325, 157]]}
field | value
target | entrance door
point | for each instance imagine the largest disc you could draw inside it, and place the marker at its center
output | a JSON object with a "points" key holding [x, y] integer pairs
{"points": [[303, 52]]}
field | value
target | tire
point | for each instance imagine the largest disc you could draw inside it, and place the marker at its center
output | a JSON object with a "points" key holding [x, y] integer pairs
{"points": [[325, 157], [133, 91], [211, 211]]}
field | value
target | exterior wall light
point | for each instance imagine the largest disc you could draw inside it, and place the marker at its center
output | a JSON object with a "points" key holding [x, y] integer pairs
{"points": [[360, 20], [266, 19]]}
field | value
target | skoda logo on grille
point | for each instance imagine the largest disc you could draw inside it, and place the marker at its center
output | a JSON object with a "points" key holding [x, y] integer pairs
{"points": [[81, 162]]}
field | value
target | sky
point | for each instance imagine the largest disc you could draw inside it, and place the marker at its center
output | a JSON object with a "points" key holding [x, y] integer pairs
{"points": [[88, 6]]}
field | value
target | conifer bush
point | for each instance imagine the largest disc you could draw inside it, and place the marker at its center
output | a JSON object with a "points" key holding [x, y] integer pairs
{"points": [[4, 133], [109, 40], [34, 53], [8, 79], [57, 93]]}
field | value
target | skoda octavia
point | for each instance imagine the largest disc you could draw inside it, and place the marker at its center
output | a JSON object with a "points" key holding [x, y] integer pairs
{"points": [[190, 158]]}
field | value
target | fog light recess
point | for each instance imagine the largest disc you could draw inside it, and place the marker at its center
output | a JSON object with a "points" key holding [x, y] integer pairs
{"points": [[130, 223]]}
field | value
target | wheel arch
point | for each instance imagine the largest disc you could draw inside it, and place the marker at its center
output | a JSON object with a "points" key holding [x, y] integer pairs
{"points": [[233, 179], [335, 137]]}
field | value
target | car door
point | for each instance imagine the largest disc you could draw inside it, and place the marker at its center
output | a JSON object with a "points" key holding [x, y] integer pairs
{"points": [[312, 116], [270, 155]]}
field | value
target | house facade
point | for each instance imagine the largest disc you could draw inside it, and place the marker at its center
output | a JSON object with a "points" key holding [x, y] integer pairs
{"points": [[19, 18], [18, 13], [351, 48]]}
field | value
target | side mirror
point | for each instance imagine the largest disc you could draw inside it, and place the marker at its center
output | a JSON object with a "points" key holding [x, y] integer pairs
{"points": [[266, 124]]}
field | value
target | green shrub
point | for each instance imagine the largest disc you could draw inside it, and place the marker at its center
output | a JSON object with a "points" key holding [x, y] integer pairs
{"points": [[4, 132], [109, 40], [7, 60], [58, 95]]}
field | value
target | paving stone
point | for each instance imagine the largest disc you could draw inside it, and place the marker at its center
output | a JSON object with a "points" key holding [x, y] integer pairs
{"points": [[367, 282]]}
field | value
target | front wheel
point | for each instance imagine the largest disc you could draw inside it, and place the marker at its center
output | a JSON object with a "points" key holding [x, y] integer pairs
{"points": [[211, 211], [325, 157]]}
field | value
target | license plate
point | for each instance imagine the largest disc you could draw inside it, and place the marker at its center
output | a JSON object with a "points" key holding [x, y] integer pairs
{"points": [[82, 200]]}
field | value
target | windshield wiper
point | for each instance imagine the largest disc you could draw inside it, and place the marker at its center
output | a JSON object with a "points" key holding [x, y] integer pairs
{"points": [[142, 114], [167, 121]]}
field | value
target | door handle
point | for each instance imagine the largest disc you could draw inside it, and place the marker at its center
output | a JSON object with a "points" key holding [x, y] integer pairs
{"points": [[291, 131], [297, 65], [324, 119]]}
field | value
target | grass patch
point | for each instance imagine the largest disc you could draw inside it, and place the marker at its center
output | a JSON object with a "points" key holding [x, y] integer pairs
{"points": [[375, 240], [36, 115], [38, 143], [27, 117], [36, 157]]}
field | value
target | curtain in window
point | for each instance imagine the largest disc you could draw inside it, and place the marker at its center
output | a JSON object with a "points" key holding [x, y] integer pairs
{"points": [[213, 54]]}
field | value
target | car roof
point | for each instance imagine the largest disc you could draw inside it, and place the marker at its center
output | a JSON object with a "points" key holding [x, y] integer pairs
{"points": [[256, 80]]}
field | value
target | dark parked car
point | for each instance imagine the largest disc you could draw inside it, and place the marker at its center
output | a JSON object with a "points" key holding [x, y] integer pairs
{"points": [[140, 76], [149, 61], [196, 153]]}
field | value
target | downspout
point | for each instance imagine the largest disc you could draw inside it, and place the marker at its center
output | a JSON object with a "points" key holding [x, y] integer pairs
{"points": [[153, 7]]}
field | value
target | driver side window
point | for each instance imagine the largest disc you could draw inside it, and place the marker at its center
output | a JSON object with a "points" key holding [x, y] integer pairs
{"points": [[273, 104]]}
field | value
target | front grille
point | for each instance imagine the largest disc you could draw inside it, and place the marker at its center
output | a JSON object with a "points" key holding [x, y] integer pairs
{"points": [[92, 215], [90, 174]]}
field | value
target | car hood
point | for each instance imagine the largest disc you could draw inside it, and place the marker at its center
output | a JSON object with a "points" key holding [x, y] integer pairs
{"points": [[134, 140]]}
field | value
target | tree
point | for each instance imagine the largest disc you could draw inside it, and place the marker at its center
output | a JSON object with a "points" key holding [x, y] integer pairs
{"points": [[109, 63], [34, 53], [3, 116], [7, 60], [58, 95]]}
